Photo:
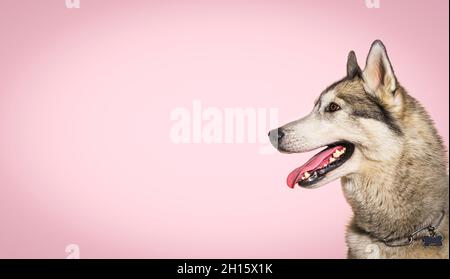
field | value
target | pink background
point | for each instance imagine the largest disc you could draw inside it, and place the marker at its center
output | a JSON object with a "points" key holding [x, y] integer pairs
{"points": [[85, 97]]}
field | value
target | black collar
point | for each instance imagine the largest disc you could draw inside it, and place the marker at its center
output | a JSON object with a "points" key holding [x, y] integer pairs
{"points": [[434, 238]]}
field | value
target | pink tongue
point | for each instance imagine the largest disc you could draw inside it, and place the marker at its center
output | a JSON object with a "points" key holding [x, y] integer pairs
{"points": [[317, 161]]}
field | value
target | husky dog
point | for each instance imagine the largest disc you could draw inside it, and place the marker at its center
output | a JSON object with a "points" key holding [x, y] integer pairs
{"points": [[385, 149]]}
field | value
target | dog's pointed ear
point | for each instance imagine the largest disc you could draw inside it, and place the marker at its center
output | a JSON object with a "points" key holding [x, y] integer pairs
{"points": [[352, 65], [379, 78], [378, 73]]}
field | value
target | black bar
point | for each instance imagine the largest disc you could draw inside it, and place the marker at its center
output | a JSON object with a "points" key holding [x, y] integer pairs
{"points": [[234, 268]]}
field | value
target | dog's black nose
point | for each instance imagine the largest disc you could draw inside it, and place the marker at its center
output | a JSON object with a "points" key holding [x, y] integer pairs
{"points": [[280, 134], [275, 136]]}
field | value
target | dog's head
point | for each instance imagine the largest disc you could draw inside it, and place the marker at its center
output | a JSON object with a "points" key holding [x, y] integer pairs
{"points": [[356, 119]]}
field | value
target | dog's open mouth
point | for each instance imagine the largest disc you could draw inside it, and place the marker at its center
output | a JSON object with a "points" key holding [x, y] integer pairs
{"points": [[320, 164]]}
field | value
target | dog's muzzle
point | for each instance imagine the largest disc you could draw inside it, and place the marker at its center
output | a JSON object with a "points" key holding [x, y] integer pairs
{"points": [[276, 136]]}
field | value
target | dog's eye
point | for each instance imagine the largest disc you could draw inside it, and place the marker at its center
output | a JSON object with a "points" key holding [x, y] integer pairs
{"points": [[333, 107]]}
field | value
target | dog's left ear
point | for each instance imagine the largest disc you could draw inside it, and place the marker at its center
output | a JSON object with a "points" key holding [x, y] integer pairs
{"points": [[379, 78], [378, 73]]}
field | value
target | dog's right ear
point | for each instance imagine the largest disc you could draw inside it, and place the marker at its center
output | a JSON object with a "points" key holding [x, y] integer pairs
{"points": [[352, 66]]}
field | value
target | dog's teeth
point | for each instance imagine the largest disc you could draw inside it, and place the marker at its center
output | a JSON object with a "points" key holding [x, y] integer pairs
{"points": [[337, 153], [306, 174], [332, 160]]}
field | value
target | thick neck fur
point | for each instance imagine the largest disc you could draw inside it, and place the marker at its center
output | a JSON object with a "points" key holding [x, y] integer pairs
{"points": [[391, 199]]}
